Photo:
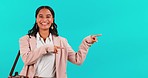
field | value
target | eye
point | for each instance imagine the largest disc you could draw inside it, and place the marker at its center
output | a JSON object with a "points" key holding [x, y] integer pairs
{"points": [[40, 16], [48, 16]]}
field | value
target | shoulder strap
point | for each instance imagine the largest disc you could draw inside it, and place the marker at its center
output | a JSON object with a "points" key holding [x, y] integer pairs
{"points": [[13, 67], [17, 57]]}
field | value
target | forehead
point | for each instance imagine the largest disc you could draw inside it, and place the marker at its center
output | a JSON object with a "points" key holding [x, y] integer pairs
{"points": [[44, 11]]}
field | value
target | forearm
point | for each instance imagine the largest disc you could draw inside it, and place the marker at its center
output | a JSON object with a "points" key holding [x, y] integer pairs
{"points": [[30, 57], [79, 57]]}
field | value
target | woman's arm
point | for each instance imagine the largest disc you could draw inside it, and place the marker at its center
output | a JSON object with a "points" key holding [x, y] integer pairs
{"points": [[30, 56], [79, 57]]}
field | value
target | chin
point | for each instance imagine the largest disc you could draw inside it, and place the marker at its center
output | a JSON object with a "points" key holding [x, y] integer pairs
{"points": [[45, 28]]}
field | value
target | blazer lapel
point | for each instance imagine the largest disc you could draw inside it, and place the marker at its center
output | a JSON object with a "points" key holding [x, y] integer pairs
{"points": [[56, 42], [33, 42]]}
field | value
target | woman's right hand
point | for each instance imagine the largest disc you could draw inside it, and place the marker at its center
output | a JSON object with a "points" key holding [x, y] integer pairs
{"points": [[56, 49], [53, 48]]}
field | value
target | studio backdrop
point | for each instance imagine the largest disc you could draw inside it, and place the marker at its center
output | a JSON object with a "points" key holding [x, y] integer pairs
{"points": [[121, 52]]}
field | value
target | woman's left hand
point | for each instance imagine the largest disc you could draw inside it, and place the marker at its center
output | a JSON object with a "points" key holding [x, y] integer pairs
{"points": [[94, 39]]}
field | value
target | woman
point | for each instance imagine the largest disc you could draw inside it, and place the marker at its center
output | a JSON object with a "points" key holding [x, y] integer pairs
{"points": [[44, 53]]}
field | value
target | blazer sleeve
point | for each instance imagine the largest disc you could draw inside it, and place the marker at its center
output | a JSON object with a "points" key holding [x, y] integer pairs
{"points": [[79, 57], [30, 56]]}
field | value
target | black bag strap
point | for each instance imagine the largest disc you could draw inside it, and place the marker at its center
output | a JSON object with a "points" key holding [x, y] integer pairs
{"points": [[15, 62], [17, 57]]}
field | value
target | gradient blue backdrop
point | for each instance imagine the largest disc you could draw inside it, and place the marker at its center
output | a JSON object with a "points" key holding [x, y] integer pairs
{"points": [[122, 51]]}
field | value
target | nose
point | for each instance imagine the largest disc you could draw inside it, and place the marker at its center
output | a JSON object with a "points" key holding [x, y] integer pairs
{"points": [[44, 19]]}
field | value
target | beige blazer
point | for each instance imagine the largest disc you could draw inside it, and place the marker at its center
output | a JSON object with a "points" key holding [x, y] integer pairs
{"points": [[30, 54]]}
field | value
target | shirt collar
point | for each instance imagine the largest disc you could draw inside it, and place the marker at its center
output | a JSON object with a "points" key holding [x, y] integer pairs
{"points": [[39, 37]]}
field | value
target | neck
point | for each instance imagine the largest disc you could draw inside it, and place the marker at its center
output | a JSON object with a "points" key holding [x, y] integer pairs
{"points": [[44, 33]]}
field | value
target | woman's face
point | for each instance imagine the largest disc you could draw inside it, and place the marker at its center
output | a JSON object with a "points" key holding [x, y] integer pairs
{"points": [[44, 19]]}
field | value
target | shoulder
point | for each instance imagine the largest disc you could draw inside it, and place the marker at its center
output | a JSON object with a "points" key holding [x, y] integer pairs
{"points": [[62, 38], [26, 37]]}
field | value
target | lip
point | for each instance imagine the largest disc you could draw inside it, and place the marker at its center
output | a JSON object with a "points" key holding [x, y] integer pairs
{"points": [[44, 24]]}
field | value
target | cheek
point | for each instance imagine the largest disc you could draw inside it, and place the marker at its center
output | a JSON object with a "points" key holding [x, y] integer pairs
{"points": [[51, 20], [37, 20]]}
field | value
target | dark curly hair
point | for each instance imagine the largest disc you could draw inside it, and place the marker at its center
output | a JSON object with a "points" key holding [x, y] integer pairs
{"points": [[35, 28]]}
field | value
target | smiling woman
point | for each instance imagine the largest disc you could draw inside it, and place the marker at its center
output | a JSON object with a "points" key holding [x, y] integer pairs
{"points": [[44, 19], [44, 53]]}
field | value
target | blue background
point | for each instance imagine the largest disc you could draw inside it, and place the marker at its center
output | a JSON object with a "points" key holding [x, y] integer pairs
{"points": [[122, 51]]}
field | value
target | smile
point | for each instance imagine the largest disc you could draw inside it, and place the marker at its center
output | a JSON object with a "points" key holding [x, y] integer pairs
{"points": [[44, 23]]}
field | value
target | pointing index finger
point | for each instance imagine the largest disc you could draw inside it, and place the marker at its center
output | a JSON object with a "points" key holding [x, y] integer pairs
{"points": [[97, 35], [58, 47]]}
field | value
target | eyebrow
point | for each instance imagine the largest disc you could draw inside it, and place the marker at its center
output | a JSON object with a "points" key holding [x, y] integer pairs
{"points": [[49, 14], [46, 14]]}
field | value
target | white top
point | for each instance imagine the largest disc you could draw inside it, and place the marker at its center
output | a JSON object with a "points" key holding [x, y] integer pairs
{"points": [[45, 66]]}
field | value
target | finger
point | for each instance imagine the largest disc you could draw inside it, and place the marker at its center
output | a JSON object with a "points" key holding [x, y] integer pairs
{"points": [[58, 47], [55, 50], [97, 35]]}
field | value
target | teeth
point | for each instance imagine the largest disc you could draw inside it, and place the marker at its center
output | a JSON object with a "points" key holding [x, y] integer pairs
{"points": [[44, 23]]}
